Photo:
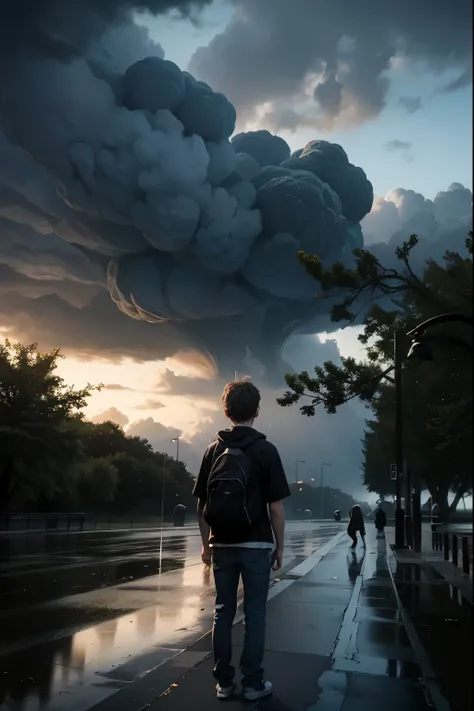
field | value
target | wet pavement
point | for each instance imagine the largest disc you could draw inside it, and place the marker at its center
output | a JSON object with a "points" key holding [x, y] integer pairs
{"points": [[335, 642], [438, 610], [86, 615]]}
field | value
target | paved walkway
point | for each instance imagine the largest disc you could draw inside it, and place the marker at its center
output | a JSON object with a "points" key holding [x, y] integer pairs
{"points": [[335, 642], [346, 631]]}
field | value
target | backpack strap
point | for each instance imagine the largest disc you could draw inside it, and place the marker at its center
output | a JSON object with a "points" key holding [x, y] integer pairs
{"points": [[219, 449]]}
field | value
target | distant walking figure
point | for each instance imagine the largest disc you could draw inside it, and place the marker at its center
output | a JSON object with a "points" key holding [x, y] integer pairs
{"points": [[356, 523], [380, 520]]}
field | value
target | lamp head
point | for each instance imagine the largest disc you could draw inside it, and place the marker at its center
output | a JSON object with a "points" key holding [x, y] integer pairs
{"points": [[420, 350]]}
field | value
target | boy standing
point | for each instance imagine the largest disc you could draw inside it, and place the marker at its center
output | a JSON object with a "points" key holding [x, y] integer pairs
{"points": [[240, 488]]}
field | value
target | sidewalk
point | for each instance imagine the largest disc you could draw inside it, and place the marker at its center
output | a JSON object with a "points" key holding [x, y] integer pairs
{"points": [[335, 642], [436, 599]]}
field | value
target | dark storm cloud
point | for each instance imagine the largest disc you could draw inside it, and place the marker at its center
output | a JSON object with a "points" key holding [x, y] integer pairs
{"points": [[125, 178], [463, 80], [66, 27], [96, 329], [118, 179], [339, 50], [397, 145], [411, 104], [172, 384]]}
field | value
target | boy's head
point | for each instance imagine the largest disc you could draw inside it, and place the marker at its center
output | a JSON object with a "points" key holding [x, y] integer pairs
{"points": [[241, 401]]}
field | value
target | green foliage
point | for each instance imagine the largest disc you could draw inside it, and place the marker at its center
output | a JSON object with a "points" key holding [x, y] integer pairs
{"points": [[437, 395], [52, 458], [36, 408], [96, 483]]}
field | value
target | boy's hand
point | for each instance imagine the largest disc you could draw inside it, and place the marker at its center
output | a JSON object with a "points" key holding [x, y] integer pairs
{"points": [[206, 555], [277, 562]]}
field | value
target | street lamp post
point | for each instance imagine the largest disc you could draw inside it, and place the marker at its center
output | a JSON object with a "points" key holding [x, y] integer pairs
{"points": [[399, 512], [419, 350], [321, 511], [176, 439], [298, 461]]}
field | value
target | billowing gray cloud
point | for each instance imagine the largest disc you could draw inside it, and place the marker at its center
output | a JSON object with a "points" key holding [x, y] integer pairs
{"points": [[441, 224], [150, 404], [411, 104], [463, 80], [132, 226], [397, 145], [157, 434], [117, 387], [124, 181], [65, 29], [172, 384], [403, 148], [281, 53], [111, 415]]}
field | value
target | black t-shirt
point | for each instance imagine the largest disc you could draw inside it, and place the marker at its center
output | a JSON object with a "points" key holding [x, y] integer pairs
{"points": [[269, 476]]}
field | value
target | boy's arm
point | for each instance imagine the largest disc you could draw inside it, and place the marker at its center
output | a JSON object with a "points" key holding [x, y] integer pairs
{"points": [[200, 491], [277, 489], [205, 533], [277, 520]]}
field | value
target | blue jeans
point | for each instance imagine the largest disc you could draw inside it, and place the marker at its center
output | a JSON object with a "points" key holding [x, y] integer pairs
{"points": [[253, 564]]}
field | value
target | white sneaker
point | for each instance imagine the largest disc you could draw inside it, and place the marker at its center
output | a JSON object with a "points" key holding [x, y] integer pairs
{"points": [[225, 692], [265, 689]]}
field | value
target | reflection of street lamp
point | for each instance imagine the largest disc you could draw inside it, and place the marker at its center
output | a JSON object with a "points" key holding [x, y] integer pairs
{"points": [[298, 461], [324, 464], [165, 456], [312, 482]]}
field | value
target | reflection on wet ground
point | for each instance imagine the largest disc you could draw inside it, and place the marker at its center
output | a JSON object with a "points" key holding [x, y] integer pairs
{"points": [[83, 618], [339, 631], [373, 639], [84, 563], [443, 623]]}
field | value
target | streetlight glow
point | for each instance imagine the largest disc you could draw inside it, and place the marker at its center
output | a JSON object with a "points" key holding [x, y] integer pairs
{"points": [[298, 461]]}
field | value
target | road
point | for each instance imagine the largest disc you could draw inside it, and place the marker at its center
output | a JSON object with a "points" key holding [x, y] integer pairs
{"points": [[75, 607]]}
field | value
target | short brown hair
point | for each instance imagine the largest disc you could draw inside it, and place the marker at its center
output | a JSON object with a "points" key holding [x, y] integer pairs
{"points": [[240, 400]]}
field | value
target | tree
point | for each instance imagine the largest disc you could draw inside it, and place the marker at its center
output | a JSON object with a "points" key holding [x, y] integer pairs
{"points": [[104, 439], [303, 496], [438, 399], [38, 439], [97, 480]]}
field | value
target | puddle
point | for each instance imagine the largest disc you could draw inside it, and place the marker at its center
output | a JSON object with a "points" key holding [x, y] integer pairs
{"points": [[82, 668]]}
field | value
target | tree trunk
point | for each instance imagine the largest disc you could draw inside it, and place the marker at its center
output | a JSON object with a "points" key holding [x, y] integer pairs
{"points": [[439, 495], [461, 490], [6, 478]]}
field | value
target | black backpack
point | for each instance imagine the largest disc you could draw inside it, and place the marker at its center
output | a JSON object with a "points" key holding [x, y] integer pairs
{"points": [[233, 500]]}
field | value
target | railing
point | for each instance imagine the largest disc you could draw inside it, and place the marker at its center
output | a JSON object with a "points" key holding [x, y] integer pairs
{"points": [[20, 522], [14, 521], [456, 548]]}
